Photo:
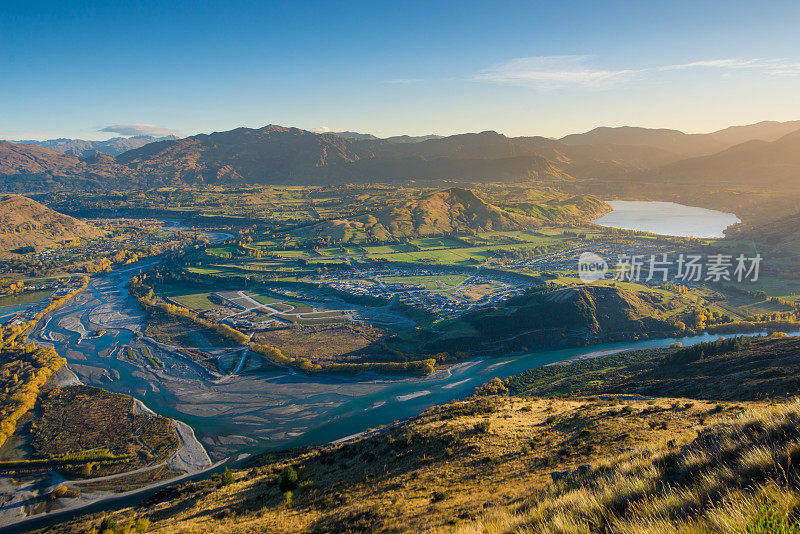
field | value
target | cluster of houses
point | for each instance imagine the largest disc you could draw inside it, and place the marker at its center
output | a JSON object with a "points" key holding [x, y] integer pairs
{"points": [[137, 240], [372, 282], [566, 261]]}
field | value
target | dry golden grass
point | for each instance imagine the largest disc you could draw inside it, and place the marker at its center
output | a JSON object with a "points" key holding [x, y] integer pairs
{"points": [[467, 463], [349, 343], [738, 476]]}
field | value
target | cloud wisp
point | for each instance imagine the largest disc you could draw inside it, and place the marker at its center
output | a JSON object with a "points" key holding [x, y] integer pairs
{"points": [[139, 129], [552, 72], [403, 81], [549, 72], [768, 66]]}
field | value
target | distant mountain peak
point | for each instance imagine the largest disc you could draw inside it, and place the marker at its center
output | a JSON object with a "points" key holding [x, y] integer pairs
{"points": [[406, 139], [277, 128]]}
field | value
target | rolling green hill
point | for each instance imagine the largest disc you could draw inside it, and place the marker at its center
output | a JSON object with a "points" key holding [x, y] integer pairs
{"points": [[453, 211]]}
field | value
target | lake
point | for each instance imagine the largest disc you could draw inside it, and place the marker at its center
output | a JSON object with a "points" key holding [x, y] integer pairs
{"points": [[667, 218]]}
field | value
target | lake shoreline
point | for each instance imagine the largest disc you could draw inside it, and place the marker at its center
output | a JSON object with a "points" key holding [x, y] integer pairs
{"points": [[667, 218]]}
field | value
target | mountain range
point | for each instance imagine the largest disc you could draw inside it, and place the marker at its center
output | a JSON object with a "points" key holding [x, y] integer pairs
{"points": [[393, 139], [283, 155], [83, 148], [26, 168]]}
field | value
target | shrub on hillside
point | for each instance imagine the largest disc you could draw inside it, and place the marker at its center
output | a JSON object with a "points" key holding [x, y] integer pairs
{"points": [[227, 477], [493, 387], [288, 479]]}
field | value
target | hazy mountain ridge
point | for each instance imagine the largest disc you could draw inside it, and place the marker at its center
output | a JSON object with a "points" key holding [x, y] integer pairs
{"points": [[761, 163], [413, 139], [687, 145], [354, 135], [83, 148], [394, 139]]}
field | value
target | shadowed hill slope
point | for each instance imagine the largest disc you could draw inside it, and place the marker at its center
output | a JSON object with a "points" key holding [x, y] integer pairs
{"points": [[677, 142], [755, 163], [569, 316], [732, 369]]}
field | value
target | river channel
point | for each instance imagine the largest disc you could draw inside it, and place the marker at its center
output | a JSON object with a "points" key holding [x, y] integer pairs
{"points": [[265, 409]]}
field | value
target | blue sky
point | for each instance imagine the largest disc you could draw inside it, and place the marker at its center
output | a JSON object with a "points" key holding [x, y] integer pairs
{"points": [[75, 69]]}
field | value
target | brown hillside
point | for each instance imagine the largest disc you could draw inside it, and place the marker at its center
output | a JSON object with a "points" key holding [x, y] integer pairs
{"points": [[272, 154], [32, 168], [24, 222], [456, 466], [280, 155], [33, 159], [452, 210]]}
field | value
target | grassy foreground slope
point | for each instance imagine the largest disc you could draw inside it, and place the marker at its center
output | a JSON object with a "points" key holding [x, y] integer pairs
{"points": [[737, 476], [511, 463], [443, 468]]}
